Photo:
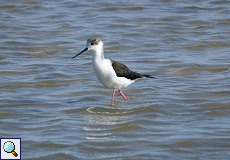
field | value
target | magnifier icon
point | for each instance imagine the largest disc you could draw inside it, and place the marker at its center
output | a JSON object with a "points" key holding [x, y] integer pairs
{"points": [[9, 147]]}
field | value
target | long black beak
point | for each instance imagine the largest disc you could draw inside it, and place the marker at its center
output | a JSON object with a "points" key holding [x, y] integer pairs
{"points": [[86, 49]]}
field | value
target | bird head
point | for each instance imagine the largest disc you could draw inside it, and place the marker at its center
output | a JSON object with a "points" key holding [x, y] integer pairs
{"points": [[93, 44]]}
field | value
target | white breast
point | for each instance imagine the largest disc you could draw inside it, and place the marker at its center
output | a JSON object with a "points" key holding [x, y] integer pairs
{"points": [[107, 76]]}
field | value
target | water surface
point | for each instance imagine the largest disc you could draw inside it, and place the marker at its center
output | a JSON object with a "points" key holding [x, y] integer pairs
{"points": [[45, 97]]}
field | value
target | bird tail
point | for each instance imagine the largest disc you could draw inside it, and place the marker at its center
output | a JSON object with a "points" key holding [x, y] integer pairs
{"points": [[148, 76]]}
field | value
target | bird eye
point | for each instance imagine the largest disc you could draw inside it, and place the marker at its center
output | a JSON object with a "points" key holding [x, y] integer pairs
{"points": [[92, 43]]}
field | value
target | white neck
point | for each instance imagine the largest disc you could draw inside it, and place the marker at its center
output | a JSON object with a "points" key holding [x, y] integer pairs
{"points": [[98, 54]]}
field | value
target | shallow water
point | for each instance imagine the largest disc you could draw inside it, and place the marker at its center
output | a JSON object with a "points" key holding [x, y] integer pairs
{"points": [[55, 104]]}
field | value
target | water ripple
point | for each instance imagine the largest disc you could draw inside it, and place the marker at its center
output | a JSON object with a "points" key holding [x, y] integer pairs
{"points": [[59, 109]]}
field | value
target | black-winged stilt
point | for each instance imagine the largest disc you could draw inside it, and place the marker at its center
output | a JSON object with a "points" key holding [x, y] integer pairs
{"points": [[111, 74]]}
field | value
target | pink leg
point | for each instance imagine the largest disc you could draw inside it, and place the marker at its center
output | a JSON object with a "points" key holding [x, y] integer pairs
{"points": [[114, 91], [122, 94]]}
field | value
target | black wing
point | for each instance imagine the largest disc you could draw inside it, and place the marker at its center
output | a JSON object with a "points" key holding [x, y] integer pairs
{"points": [[122, 70]]}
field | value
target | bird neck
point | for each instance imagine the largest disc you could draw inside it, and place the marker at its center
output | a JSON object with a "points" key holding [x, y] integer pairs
{"points": [[98, 55]]}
